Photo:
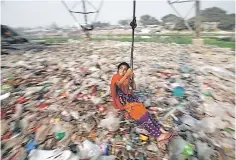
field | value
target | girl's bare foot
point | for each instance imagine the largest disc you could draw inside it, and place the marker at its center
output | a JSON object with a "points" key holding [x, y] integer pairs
{"points": [[162, 140], [163, 131]]}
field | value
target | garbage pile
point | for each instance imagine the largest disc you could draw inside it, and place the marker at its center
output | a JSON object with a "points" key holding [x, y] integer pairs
{"points": [[56, 104], [12, 42]]}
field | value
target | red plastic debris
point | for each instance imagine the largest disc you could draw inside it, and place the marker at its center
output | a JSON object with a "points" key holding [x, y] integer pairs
{"points": [[6, 135], [21, 100], [165, 74], [100, 108], [93, 90], [42, 105], [33, 130], [3, 114]]}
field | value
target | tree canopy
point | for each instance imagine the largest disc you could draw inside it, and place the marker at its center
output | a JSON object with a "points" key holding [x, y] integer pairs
{"points": [[148, 20]]}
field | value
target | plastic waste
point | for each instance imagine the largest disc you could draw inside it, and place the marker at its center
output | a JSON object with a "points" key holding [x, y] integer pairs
{"points": [[21, 100], [147, 103], [178, 91], [24, 123], [189, 120], [111, 157], [4, 126], [51, 155], [62, 87], [101, 108], [188, 150], [30, 145], [5, 96], [31, 90], [203, 151], [18, 110], [184, 69], [74, 114], [210, 124], [152, 147], [179, 147], [41, 133], [59, 131], [89, 150], [111, 122], [104, 147]]}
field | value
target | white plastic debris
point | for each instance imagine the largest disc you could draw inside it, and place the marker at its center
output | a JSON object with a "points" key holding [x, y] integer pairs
{"points": [[5, 96], [111, 123]]}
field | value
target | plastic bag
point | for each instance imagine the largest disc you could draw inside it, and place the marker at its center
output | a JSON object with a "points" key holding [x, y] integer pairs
{"points": [[210, 124], [111, 122], [5, 96], [89, 150], [179, 147], [51, 155], [188, 120], [204, 152], [111, 157]]}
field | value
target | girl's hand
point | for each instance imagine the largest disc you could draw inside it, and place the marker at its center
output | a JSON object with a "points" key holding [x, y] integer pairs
{"points": [[129, 72]]}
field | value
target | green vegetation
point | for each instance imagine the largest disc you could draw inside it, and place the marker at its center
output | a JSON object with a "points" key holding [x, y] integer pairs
{"points": [[163, 34], [176, 39]]}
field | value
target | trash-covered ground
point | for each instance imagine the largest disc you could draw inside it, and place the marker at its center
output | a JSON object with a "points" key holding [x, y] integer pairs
{"points": [[56, 104], [13, 42]]}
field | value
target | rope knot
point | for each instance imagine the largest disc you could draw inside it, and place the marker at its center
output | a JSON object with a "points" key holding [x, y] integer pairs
{"points": [[133, 24]]}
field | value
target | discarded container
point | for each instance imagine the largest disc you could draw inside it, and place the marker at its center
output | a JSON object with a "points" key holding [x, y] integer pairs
{"points": [[30, 145], [51, 154], [203, 151], [59, 131], [89, 150], [188, 150], [178, 147], [178, 90], [111, 123]]}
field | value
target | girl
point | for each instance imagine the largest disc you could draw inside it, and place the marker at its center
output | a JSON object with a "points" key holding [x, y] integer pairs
{"points": [[124, 99]]}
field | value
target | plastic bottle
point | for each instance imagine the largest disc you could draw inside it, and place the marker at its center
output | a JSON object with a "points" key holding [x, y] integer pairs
{"points": [[179, 147], [58, 130]]}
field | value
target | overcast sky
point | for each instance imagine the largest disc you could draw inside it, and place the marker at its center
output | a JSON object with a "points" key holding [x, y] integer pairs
{"points": [[44, 13]]}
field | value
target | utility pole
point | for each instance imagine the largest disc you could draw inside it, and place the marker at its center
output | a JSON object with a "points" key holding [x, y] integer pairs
{"points": [[85, 27], [86, 20], [198, 41], [198, 20]]}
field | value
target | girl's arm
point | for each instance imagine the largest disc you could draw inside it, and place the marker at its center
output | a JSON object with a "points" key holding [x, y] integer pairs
{"points": [[120, 82], [125, 77]]}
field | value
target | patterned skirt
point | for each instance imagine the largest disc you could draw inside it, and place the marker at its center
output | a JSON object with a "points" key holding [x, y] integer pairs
{"points": [[150, 124], [146, 121]]}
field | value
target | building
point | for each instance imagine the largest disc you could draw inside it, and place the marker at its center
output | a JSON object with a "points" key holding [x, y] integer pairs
{"points": [[169, 25], [212, 26]]}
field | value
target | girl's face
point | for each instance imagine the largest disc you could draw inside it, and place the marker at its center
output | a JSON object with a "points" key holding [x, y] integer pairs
{"points": [[122, 70]]}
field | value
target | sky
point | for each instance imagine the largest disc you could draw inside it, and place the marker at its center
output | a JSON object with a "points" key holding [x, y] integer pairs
{"points": [[44, 13]]}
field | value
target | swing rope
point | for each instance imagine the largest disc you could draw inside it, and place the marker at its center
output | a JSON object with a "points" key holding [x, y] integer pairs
{"points": [[133, 24]]}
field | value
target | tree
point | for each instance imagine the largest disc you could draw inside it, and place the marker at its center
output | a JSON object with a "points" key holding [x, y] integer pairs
{"points": [[124, 22], [213, 14], [54, 26], [180, 25], [100, 24], [148, 20], [227, 23], [170, 18]]}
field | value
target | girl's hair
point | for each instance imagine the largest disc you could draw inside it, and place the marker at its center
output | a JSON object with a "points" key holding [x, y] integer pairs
{"points": [[123, 63]]}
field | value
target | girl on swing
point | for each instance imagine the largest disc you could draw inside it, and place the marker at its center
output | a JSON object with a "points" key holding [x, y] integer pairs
{"points": [[124, 99]]}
